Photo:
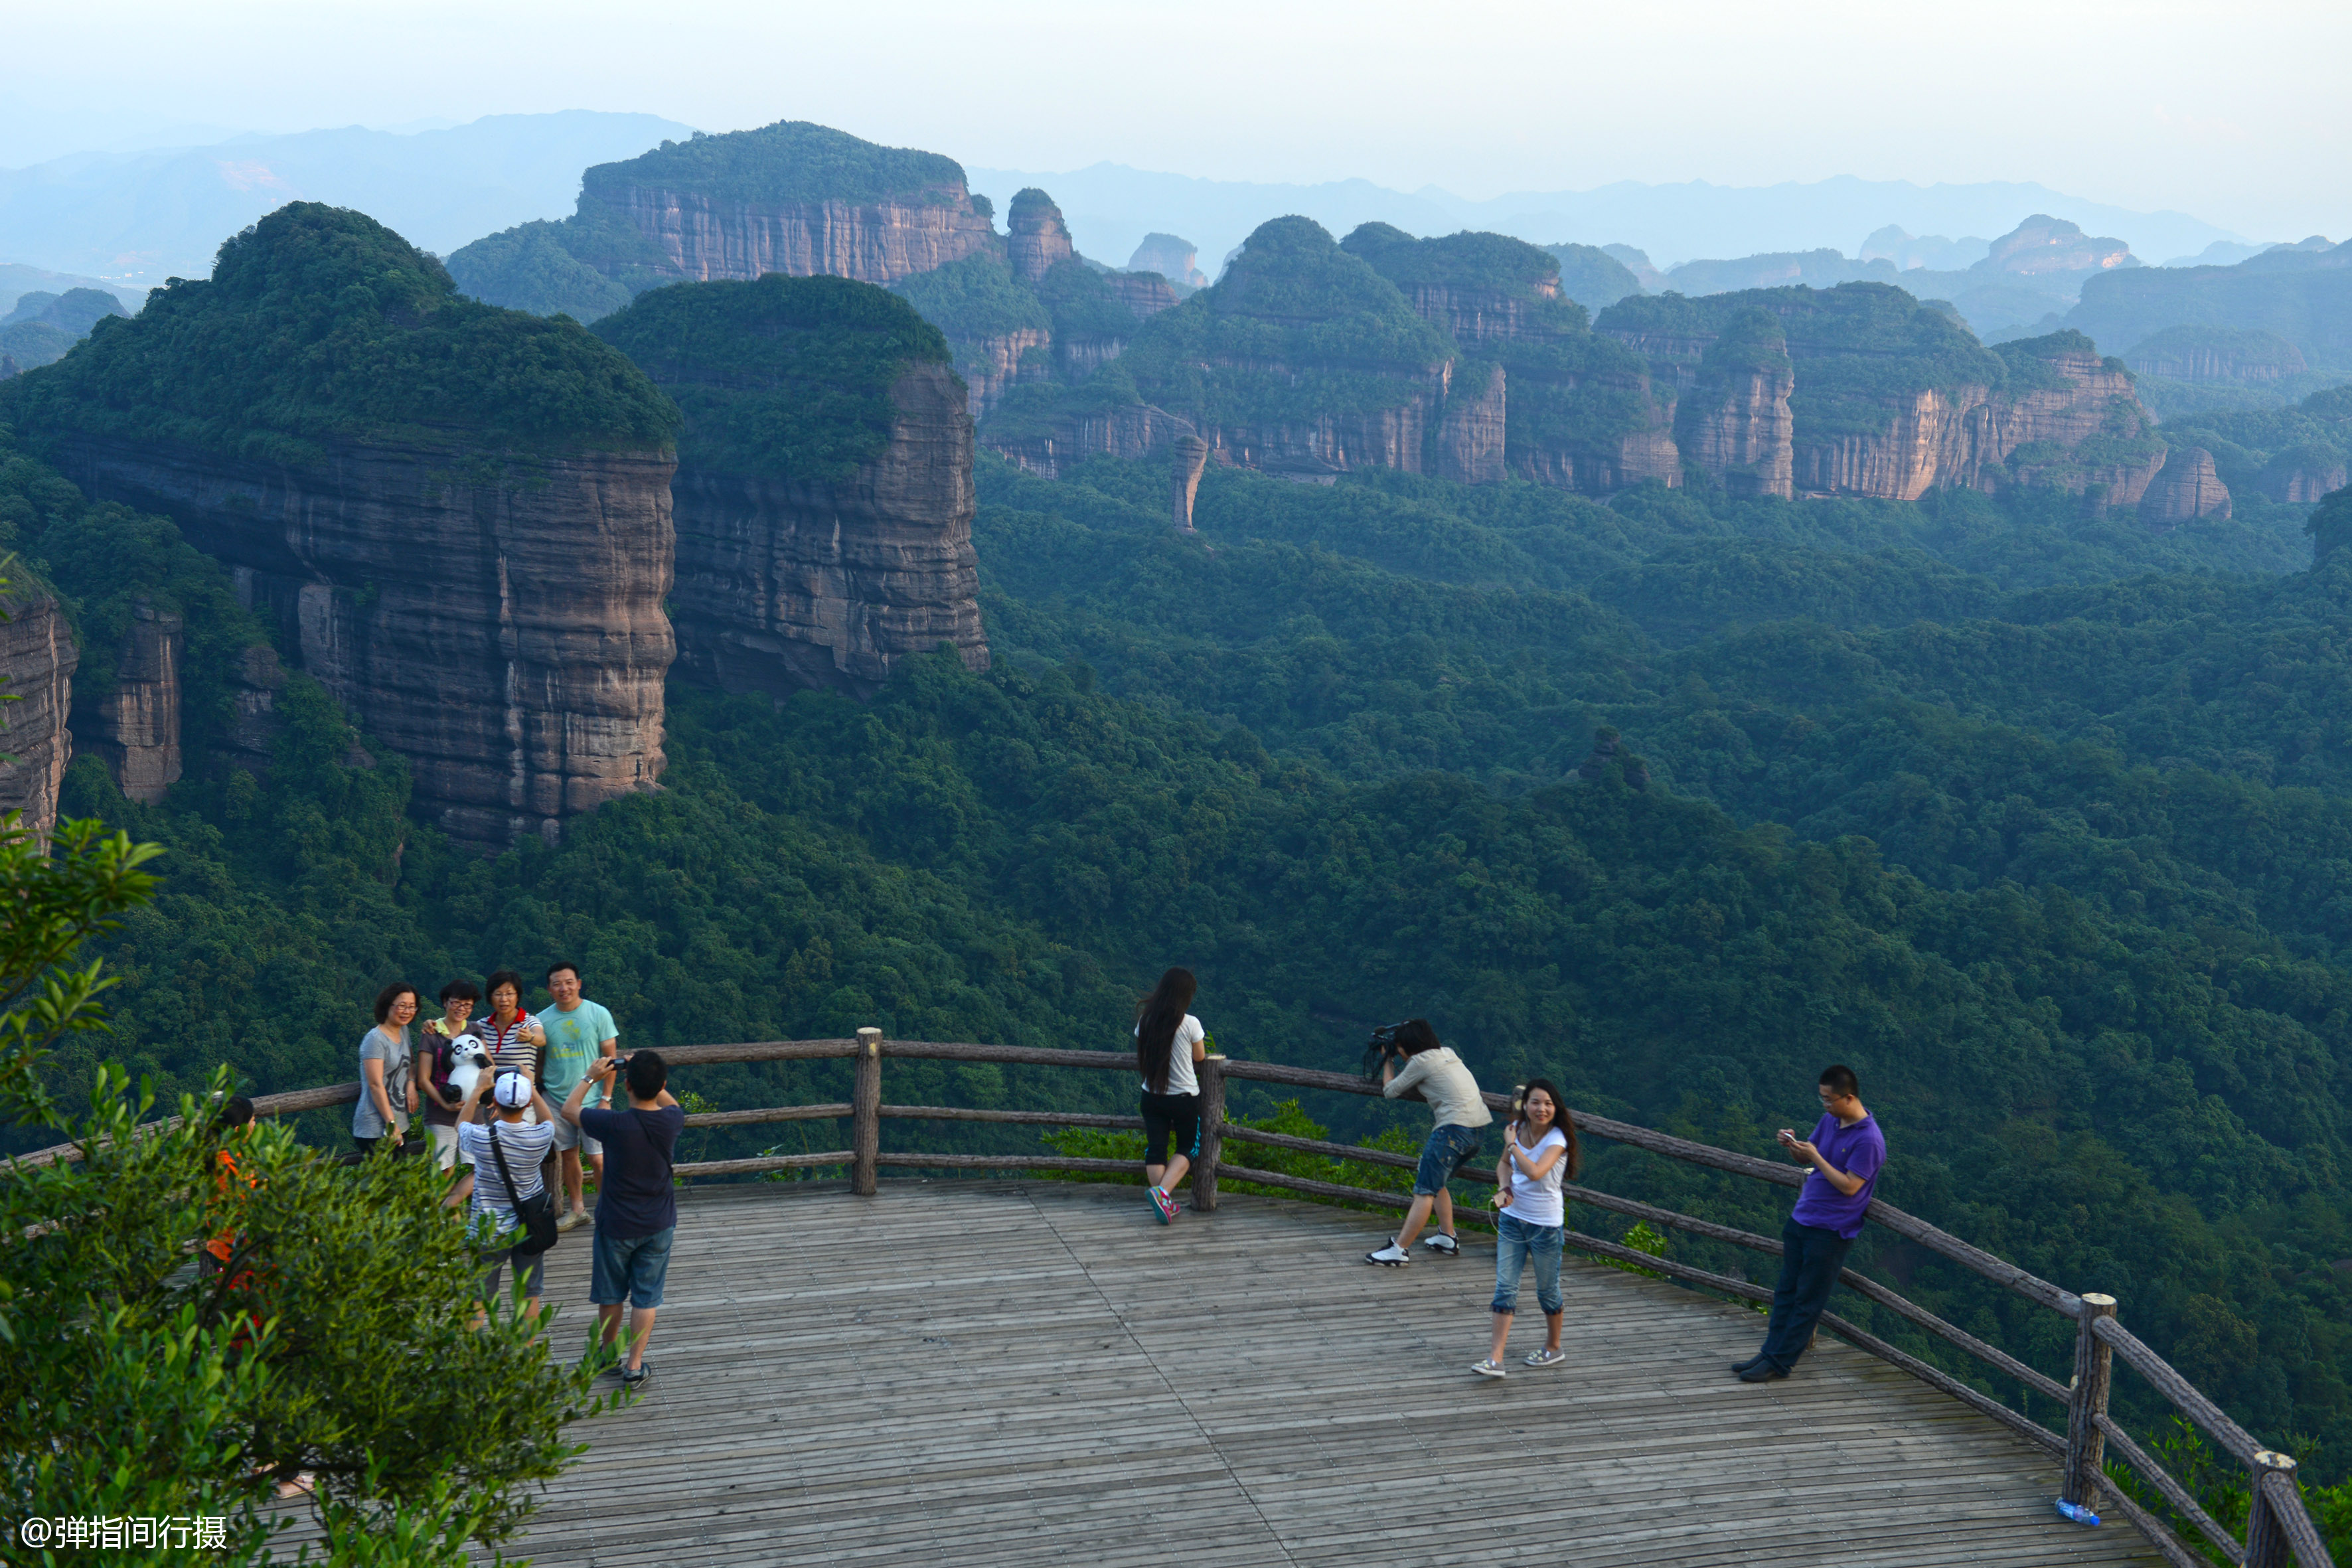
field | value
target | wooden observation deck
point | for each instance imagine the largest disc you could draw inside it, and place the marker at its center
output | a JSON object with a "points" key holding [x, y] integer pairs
{"points": [[975, 1373]]}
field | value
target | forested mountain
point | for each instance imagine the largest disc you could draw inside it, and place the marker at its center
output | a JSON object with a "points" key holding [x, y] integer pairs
{"points": [[2040, 819]]}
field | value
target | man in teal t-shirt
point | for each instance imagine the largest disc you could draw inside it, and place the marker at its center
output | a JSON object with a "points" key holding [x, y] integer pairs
{"points": [[577, 1032]]}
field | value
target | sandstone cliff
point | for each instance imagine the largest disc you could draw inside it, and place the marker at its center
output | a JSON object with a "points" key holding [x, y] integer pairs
{"points": [[791, 197], [1173, 258], [1065, 431], [825, 486], [2186, 488], [1734, 424], [1036, 239], [1470, 436], [459, 518], [37, 660], [133, 726], [503, 631]]}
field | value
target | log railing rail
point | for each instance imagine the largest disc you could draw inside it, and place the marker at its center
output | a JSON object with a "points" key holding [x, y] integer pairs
{"points": [[2279, 1527]]}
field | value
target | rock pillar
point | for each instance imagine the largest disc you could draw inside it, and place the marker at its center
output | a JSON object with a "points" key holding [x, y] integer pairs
{"points": [[138, 723], [38, 658], [2188, 488]]}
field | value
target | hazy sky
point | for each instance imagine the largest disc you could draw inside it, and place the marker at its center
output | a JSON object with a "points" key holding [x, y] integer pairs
{"points": [[2233, 112]]}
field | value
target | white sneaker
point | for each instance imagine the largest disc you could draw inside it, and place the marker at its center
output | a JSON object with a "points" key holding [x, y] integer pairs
{"points": [[1389, 1257], [1441, 1243]]}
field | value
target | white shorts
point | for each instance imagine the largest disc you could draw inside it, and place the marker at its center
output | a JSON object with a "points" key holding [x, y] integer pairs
{"points": [[445, 1147]]}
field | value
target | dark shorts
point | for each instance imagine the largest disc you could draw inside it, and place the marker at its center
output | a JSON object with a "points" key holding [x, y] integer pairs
{"points": [[1167, 1116], [531, 1271], [631, 1267], [1448, 1147]]}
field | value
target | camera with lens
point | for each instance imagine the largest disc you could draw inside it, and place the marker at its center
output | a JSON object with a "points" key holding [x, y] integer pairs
{"points": [[1381, 1049]]}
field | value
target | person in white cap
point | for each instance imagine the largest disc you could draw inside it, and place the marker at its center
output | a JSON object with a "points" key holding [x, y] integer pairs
{"points": [[525, 1145]]}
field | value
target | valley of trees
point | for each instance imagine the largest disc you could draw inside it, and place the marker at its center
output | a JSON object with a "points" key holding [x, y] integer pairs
{"points": [[2041, 821]]}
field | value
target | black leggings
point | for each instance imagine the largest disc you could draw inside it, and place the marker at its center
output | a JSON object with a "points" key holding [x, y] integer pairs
{"points": [[1170, 1114]]}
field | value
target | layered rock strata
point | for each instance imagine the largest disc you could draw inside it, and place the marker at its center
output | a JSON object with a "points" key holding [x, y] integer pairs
{"points": [[2296, 477], [498, 621], [700, 238], [1470, 434], [134, 726], [37, 660], [993, 366], [1035, 238], [1734, 424], [1075, 435], [790, 584], [2187, 488]]}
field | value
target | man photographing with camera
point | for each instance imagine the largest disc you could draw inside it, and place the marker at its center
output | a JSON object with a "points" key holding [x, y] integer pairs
{"points": [[1460, 1110], [1846, 1152], [636, 1205]]}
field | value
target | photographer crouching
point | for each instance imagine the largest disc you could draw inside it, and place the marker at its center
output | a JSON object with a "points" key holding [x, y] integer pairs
{"points": [[1410, 1060]]}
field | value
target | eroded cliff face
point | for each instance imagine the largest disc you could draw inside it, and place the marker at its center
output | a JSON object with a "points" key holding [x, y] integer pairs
{"points": [[1736, 427], [1475, 315], [2186, 488], [497, 621], [1330, 445], [134, 727], [1129, 431], [1036, 240], [993, 366], [38, 658], [1470, 433], [784, 584], [700, 238]]}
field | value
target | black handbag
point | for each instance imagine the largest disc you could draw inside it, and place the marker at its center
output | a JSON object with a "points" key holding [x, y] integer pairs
{"points": [[536, 1212]]}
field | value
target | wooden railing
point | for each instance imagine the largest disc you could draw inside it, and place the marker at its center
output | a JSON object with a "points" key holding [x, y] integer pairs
{"points": [[2279, 1527]]}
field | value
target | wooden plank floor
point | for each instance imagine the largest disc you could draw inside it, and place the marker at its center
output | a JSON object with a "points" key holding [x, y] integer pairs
{"points": [[1017, 1373]]}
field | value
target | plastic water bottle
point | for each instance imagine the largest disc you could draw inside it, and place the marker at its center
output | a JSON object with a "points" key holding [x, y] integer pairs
{"points": [[2076, 1511]]}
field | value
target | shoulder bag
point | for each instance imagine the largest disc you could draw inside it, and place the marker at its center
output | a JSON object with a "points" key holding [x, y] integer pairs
{"points": [[536, 1212]]}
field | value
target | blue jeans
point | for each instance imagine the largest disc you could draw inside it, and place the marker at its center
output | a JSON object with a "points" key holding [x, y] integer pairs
{"points": [[1810, 1257], [1447, 1147], [1517, 1242], [633, 1268]]}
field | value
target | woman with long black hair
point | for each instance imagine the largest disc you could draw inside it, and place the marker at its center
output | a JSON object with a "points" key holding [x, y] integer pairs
{"points": [[1539, 1153], [1168, 1041]]}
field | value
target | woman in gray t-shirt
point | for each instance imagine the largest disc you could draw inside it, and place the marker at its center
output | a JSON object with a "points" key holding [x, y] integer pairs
{"points": [[387, 1087]]}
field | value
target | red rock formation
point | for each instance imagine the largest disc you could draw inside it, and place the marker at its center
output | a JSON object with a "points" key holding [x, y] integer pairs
{"points": [[1036, 240], [1734, 424], [2186, 490], [1191, 454], [1470, 431], [1145, 293], [783, 585], [1475, 315], [700, 238], [1129, 431], [37, 658], [993, 366], [1174, 258], [2301, 475], [135, 726], [498, 622], [2042, 245]]}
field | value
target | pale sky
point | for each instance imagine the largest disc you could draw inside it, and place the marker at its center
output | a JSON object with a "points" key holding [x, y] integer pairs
{"points": [[2234, 112]]}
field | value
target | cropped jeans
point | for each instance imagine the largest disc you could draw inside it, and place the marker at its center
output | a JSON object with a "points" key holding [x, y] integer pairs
{"points": [[1517, 1243]]}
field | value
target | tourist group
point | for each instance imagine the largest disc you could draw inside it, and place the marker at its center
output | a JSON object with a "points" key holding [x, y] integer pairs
{"points": [[1845, 1152]]}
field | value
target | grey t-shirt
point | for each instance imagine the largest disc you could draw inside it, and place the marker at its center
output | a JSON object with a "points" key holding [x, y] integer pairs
{"points": [[381, 1044], [1446, 1084]]}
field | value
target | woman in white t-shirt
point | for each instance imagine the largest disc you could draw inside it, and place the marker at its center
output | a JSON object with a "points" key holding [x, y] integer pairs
{"points": [[1538, 1153], [1168, 1041]]}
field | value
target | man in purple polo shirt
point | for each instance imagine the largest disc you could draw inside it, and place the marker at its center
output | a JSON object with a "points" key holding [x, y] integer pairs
{"points": [[1846, 1152]]}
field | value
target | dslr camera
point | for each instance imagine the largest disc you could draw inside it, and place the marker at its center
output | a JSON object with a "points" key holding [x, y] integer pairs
{"points": [[1381, 1049]]}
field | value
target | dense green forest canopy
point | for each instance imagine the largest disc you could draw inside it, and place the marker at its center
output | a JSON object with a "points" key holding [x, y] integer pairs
{"points": [[977, 297], [320, 324], [790, 161], [781, 378], [2042, 821], [2255, 448], [533, 269]]}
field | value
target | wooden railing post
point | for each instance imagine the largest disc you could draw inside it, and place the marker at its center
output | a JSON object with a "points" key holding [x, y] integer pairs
{"points": [[865, 1113], [1212, 1074], [2266, 1542], [2086, 1446]]}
